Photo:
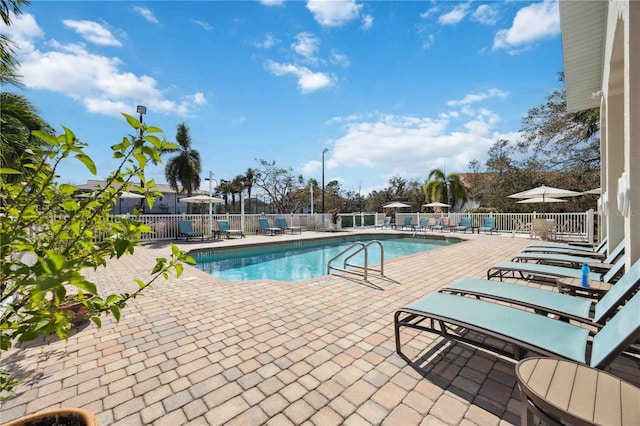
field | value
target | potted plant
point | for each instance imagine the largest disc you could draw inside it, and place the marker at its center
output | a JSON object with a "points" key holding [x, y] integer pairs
{"points": [[49, 236], [334, 219], [58, 416]]}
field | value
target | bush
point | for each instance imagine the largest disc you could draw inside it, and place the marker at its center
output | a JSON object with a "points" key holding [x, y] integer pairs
{"points": [[49, 236]]}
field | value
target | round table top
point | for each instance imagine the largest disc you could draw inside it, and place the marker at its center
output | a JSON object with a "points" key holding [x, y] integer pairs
{"points": [[578, 393]]}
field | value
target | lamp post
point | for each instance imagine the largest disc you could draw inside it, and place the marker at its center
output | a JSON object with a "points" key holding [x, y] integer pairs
{"points": [[211, 179], [140, 109], [324, 151]]}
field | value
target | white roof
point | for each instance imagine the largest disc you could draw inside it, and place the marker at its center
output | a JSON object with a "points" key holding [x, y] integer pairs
{"points": [[583, 35]]}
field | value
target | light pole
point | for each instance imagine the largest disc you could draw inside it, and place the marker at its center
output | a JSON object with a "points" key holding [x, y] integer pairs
{"points": [[449, 195], [140, 109], [324, 151]]}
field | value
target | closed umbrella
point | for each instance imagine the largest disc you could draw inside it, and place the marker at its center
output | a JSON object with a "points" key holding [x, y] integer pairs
{"points": [[203, 199]]}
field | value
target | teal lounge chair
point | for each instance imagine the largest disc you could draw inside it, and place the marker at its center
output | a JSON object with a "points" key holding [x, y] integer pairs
{"points": [[442, 225], [423, 225], [465, 224], [225, 229], [488, 225], [571, 260], [549, 302], [282, 222], [265, 227], [408, 223], [549, 273], [463, 318], [386, 222], [185, 230], [600, 248]]}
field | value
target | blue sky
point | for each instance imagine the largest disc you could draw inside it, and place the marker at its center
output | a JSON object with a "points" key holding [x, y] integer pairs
{"points": [[390, 88]]}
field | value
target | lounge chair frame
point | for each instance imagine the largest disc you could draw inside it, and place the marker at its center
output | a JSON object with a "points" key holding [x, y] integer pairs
{"points": [[453, 317], [285, 226], [265, 227], [185, 229], [488, 226], [465, 224], [225, 228]]}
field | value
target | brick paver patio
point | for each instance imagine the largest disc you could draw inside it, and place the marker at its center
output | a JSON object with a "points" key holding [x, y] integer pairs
{"points": [[196, 350]]}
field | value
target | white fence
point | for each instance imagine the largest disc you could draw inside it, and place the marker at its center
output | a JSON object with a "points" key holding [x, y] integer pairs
{"points": [[568, 226]]}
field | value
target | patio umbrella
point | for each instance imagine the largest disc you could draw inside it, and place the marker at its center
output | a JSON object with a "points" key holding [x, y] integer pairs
{"points": [[127, 195], [541, 200], [394, 205], [203, 199], [544, 193], [436, 204], [595, 191]]}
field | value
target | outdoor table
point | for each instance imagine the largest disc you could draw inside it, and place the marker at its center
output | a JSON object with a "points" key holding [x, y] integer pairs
{"points": [[558, 390], [596, 289]]}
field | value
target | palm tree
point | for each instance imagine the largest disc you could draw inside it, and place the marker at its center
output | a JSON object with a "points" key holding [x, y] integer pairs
{"points": [[184, 168], [225, 189], [248, 181], [18, 119], [436, 188], [236, 187]]}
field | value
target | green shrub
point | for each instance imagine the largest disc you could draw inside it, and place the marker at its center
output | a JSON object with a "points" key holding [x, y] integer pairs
{"points": [[49, 236]]}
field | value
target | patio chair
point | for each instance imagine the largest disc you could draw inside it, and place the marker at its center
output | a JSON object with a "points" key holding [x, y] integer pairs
{"points": [[265, 227], [282, 223], [465, 224], [432, 222], [488, 225], [386, 222], [185, 230], [224, 228], [442, 225], [546, 302], [463, 318], [407, 223], [422, 225]]}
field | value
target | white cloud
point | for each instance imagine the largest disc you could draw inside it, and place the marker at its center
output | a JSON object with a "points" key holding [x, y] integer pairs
{"points": [[205, 25], [272, 2], [339, 59], [477, 97], [308, 81], [428, 42], [23, 31], [367, 22], [532, 23], [485, 14], [146, 13], [456, 15], [268, 42], [430, 12], [306, 46], [93, 32], [96, 81], [334, 13], [381, 142], [239, 120]]}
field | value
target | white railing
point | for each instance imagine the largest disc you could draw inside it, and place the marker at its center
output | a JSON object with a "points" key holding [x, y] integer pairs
{"points": [[567, 226]]}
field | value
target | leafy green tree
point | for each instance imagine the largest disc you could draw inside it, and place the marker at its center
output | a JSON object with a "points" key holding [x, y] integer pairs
{"points": [[236, 188], [41, 270], [561, 139], [437, 190], [185, 168]]}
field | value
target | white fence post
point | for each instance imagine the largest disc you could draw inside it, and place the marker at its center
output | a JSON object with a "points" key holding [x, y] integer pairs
{"points": [[589, 221]]}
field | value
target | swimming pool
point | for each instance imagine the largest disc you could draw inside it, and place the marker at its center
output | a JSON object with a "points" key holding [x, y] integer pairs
{"points": [[302, 259]]}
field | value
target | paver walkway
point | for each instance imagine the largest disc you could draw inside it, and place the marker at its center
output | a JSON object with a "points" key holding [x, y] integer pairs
{"points": [[196, 350]]}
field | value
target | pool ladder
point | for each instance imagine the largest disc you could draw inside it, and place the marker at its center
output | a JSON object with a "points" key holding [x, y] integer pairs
{"points": [[358, 246]]}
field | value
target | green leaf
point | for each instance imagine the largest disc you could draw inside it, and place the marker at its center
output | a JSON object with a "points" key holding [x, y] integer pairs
{"points": [[97, 321], [116, 312], [133, 122], [7, 171], [88, 162], [84, 286]]}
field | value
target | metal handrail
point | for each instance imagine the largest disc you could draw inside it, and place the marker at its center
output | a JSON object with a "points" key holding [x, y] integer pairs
{"points": [[362, 247]]}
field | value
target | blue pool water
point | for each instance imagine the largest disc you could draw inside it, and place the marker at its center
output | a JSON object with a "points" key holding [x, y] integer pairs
{"points": [[300, 260]]}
